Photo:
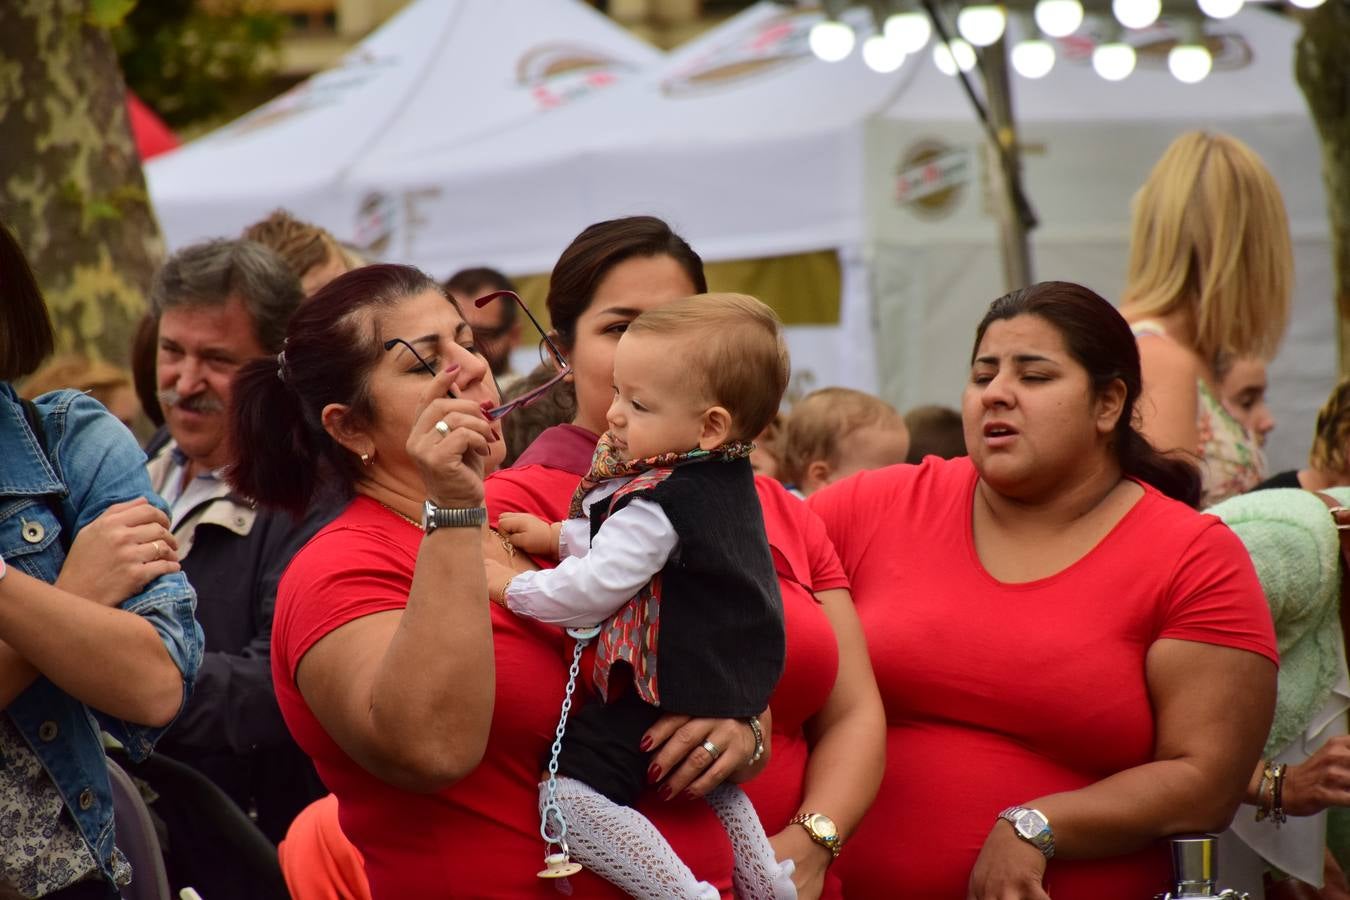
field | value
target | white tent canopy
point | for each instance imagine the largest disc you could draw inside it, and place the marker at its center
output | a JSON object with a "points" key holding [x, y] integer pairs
{"points": [[751, 147], [439, 74]]}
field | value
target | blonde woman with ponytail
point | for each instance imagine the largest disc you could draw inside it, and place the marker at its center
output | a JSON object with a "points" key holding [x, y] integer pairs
{"points": [[1210, 274]]}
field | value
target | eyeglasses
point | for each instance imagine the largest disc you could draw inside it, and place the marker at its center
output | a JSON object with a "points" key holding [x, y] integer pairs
{"points": [[525, 399]]}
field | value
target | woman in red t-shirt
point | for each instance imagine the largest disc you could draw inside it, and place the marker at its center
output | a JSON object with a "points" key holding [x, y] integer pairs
{"points": [[426, 710], [1074, 665], [827, 725]]}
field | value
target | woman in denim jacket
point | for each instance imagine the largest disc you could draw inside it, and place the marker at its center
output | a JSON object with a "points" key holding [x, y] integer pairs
{"points": [[96, 621]]}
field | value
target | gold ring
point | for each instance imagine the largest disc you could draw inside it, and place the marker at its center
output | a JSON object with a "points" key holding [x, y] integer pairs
{"points": [[441, 427], [159, 549]]}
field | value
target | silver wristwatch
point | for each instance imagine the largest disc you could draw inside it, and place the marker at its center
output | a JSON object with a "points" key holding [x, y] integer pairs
{"points": [[1032, 826], [434, 517]]}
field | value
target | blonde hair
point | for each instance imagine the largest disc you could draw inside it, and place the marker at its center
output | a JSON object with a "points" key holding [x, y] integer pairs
{"points": [[1332, 436], [301, 245], [735, 353], [96, 378], [1210, 234], [821, 421]]}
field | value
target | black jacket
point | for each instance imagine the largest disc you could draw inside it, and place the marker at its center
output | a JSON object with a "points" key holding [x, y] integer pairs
{"points": [[231, 730], [719, 642]]}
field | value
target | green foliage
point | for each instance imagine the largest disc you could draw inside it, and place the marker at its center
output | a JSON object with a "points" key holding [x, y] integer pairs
{"points": [[109, 13], [192, 61]]}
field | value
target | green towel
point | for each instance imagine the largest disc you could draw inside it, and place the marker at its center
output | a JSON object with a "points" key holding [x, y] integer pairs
{"points": [[1295, 549]]}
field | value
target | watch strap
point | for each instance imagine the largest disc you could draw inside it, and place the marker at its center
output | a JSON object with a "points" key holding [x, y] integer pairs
{"points": [[1043, 840], [434, 517], [833, 843]]}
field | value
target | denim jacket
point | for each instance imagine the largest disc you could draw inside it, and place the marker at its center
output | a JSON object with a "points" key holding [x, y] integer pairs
{"points": [[94, 462]]}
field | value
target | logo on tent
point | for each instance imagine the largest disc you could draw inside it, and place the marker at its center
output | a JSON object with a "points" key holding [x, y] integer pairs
{"points": [[777, 41], [556, 74], [931, 177], [1229, 50]]}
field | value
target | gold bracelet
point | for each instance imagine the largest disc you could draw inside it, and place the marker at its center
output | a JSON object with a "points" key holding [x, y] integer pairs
{"points": [[500, 597], [1265, 800], [509, 547]]}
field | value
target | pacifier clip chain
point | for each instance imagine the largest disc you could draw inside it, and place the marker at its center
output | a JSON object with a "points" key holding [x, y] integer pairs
{"points": [[553, 826]]}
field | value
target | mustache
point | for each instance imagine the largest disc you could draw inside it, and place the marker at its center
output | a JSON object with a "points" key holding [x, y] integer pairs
{"points": [[204, 402]]}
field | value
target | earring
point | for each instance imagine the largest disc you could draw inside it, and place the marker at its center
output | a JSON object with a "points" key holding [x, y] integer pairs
{"points": [[366, 459]]}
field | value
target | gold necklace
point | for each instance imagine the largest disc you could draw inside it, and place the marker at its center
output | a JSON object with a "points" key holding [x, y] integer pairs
{"points": [[509, 547], [413, 522]]}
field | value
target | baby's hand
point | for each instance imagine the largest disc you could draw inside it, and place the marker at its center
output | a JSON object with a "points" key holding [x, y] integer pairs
{"points": [[530, 533]]}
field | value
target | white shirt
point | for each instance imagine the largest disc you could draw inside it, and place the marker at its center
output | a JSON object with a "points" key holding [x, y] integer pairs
{"points": [[595, 578], [183, 498]]}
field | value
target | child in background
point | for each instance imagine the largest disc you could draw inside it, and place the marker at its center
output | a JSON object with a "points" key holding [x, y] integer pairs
{"points": [[834, 432], [1242, 391], [767, 458], [665, 546]]}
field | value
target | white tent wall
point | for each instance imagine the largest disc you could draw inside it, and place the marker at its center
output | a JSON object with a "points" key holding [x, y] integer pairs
{"points": [[933, 275]]}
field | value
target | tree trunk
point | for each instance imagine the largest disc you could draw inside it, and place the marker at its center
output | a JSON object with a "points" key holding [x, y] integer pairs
{"points": [[1322, 65], [71, 186]]}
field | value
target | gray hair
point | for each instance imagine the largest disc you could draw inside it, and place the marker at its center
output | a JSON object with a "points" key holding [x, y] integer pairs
{"points": [[209, 273]]}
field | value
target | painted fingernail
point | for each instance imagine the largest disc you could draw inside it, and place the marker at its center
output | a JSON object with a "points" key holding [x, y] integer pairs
{"points": [[690, 795], [486, 406], [654, 773], [646, 743], [665, 793]]}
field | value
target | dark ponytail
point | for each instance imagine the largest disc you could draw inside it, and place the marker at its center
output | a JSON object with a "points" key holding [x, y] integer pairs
{"points": [[1100, 339], [283, 454]]}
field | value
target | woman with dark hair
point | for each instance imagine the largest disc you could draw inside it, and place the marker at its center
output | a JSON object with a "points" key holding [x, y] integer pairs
{"points": [[1075, 664], [826, 727], [382, 643], [96, 626]]}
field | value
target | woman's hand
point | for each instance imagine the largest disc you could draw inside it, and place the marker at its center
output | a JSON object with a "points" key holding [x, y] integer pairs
{"points": [[811, 860], [681, 760], [113, 557], [451, 461], [498, 577], [1320, 781], [531, 533], [1008, 868]]}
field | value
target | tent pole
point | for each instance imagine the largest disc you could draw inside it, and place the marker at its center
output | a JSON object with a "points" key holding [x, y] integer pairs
{"points": [[1006, 157], [1016, 217]]}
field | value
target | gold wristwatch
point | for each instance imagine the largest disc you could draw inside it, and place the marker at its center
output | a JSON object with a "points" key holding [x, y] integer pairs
{"points": [[822, 830]]}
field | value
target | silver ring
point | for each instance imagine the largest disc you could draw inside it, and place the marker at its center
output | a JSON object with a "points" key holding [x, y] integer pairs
{"points": [[443, 428], [713, 750]]}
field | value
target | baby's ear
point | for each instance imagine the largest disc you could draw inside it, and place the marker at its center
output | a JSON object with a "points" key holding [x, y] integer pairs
{"points": [[716, 428]]}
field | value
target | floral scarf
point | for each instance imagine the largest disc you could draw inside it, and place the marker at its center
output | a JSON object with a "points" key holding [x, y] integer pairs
{"points": [[607, 465]]}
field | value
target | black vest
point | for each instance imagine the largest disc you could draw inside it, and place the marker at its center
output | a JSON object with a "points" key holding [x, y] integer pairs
{"points": [[720, 639]]}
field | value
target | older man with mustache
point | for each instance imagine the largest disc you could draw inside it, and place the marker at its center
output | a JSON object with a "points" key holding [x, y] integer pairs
{"points": [[219, 305]]}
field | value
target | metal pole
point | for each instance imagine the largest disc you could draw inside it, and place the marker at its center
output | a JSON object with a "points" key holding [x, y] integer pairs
{"points": [[1007, 157]]}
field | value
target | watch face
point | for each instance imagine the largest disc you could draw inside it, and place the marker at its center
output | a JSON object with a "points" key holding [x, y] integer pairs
{"points": [[823, 827], [1030, 823]]}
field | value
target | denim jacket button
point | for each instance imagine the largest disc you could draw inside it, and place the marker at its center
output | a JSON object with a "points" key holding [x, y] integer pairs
{"points": [[47, 731], [86, 798], [33, 532]]}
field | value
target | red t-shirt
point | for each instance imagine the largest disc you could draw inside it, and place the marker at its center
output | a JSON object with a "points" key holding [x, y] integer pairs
{"points": [[806, 564], [479, 838], [997, 693]]}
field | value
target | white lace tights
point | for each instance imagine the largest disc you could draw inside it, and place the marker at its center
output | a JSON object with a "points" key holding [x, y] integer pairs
{"points": [[620, 845]]}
